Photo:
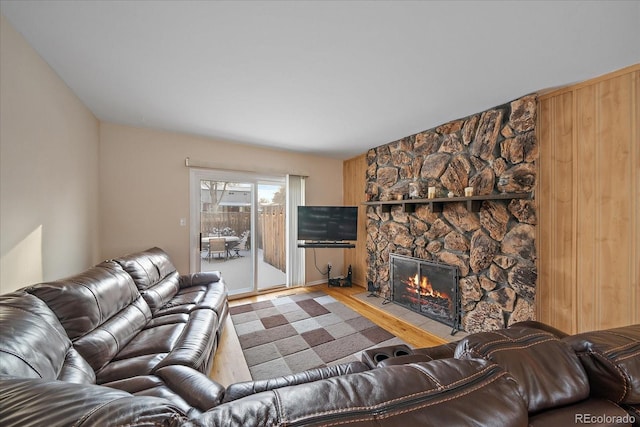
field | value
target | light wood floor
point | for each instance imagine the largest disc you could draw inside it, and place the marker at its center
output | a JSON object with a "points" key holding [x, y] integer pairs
{"points": [[229, 365]]}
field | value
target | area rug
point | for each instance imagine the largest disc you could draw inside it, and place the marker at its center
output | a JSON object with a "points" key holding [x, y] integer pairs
{"points": [[293, 333]]}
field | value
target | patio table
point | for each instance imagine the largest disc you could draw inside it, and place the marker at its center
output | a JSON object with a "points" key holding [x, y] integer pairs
{"points": [[230, 242]]}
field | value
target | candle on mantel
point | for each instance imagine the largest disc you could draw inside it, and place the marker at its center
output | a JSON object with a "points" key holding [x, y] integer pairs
{"points": [[468, 191]]}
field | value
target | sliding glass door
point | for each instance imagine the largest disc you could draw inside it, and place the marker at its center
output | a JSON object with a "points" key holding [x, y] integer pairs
{"points": [[271, 233], [238, 224]]}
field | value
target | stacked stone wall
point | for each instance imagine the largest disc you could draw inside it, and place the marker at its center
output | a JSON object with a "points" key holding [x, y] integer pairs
{"points": [[495, 152]]}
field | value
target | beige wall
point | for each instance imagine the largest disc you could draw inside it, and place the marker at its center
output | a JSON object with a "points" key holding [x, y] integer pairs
{"points": [[144, 188], [75, 191], [48, 170]]}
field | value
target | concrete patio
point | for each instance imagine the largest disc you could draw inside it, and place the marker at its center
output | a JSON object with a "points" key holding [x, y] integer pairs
{"points": [[237, 272]]}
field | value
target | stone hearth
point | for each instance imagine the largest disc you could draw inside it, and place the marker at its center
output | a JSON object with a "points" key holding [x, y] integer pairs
{"points": [[494, 249]]}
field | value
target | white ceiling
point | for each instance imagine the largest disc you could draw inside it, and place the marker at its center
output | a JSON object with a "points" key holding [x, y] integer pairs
{"points": [[332, 78]]}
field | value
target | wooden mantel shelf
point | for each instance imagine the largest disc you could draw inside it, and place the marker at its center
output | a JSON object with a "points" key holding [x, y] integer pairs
{"points": [[436, 205]]}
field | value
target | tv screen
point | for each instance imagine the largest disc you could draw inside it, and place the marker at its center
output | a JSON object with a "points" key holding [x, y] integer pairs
{"points": [[327, 223]]}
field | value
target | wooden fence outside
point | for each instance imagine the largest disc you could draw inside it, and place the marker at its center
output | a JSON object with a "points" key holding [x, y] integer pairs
{"points": [[272, 233], [225, 223]]}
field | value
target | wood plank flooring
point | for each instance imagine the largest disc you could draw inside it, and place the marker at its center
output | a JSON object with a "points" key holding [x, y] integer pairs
{"points": [[229, 365]]}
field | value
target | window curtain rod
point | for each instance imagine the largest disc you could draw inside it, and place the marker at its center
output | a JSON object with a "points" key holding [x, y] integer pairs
{"points": [[205, 165]]}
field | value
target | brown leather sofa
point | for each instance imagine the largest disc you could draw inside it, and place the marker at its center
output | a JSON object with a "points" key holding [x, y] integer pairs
{"points": [[529, 374], [131, 323], [124, 344], [564, 379]]}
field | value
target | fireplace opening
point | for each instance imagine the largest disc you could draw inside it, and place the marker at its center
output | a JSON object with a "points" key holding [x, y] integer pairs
{"points": [[426, 287]]}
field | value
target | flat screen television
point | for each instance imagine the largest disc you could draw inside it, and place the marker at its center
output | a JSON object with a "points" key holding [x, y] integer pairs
{"points": [[327, 223]]}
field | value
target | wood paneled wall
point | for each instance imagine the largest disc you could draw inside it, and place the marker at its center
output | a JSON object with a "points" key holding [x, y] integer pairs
{"points": [[588, 196], [588, 202], [354, 174]]}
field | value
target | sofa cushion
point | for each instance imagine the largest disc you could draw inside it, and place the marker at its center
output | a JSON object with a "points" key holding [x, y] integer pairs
{"points": [[211, 290], [162, 292], [612, 361], [100, 309], [76, 369], [168, 320], [87, 300], [148, 267], [154, 274], [33, 344], [126, 368], [160, 339], [547, 370], [200, 296], [101, 345], [186, 341]]}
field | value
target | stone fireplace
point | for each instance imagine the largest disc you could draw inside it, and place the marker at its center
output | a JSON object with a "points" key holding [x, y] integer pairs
{"points": [[426, 287], [493, 246]]}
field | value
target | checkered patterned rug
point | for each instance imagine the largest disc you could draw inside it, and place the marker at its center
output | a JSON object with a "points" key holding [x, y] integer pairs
{"points": [[293, 333]]}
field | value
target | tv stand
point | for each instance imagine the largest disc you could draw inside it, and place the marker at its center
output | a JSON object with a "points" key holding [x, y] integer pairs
{"points": [[326, 245]]}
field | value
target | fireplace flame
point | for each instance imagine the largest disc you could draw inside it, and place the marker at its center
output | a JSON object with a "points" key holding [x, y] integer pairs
{"points": [[423, 286]]}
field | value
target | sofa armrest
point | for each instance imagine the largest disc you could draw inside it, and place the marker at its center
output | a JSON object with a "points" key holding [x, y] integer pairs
{"points": [[239, 390], [373, 356], [199, 279], [539, 325], [193, 386], [442, 351], [611, 359], [404, 360], [379, 357], [196, 343], [443, 392]]}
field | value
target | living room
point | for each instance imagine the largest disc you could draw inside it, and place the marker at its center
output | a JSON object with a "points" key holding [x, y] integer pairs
{"points": [[77, 189]]}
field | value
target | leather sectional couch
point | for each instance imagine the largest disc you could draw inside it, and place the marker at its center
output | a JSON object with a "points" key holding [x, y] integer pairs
{"points": [[529, 374], [131, 323], [129, 342]]}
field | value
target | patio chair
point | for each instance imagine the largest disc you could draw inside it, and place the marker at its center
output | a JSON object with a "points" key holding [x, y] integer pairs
{"points": [[243, 245], [217, 245]]}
